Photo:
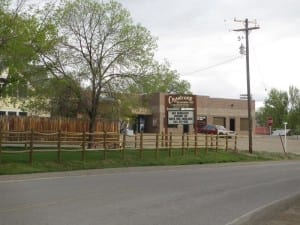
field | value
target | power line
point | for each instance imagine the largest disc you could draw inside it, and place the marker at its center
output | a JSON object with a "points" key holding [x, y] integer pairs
{"points": [[213, 66], [261, 76]]}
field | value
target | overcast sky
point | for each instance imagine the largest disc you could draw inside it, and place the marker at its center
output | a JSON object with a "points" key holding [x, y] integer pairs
{"points": [[196, 37]]}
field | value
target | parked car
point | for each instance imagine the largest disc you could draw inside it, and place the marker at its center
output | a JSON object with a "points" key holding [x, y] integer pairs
{"points": [[216, 129], [281, 132]]}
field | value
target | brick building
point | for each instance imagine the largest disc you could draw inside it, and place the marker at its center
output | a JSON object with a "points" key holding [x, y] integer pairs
{"points": [[186, 113]]}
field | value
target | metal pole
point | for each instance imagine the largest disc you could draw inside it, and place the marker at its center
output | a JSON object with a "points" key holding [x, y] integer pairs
{"points": [[285, 123]]}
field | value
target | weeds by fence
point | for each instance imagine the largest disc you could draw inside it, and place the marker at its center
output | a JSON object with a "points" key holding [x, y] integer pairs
{"points": [[30, 142]]}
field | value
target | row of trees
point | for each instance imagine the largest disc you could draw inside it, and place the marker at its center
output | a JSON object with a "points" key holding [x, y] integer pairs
{"points": [[68, 57], [281, 106]]}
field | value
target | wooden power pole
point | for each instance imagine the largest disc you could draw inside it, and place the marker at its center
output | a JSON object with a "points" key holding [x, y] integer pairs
{"points": [[246, 30]]}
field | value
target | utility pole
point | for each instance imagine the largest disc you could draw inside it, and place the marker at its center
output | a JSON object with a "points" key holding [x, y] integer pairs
{"points": [[246, 30]]}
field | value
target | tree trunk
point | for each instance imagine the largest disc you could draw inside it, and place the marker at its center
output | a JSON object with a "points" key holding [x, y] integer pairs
{"points": [[92, 128]]}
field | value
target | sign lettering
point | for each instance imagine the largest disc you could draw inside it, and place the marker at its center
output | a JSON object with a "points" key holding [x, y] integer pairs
{"points": [[180, 117]]}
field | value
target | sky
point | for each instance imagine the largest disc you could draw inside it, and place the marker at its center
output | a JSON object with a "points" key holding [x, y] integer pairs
{"points": [[198, 40], [196, 37]]}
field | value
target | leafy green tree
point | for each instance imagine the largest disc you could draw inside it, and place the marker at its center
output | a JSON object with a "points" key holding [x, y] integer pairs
{"points": [[102, 51], [62, 102], [261, 120], [282, 107], [294, 108], [23, 37], [275, 106], [161, 79], [294, 98]]}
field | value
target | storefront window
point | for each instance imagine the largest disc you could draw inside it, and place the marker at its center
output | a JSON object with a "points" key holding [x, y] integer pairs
{"points": [[219, 121], [12, 113], [244, 124]]}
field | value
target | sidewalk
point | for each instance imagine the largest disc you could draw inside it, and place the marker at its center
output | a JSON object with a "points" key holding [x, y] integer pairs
{"points": [[290, 216], [282, 212]]}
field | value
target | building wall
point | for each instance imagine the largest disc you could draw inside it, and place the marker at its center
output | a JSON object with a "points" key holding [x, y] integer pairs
{"points": [[226, 108], [214, 109], [155, 121], [12, 107]]}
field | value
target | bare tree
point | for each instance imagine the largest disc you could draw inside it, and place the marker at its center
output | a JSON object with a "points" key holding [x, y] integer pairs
{"points": [[100, 47]]}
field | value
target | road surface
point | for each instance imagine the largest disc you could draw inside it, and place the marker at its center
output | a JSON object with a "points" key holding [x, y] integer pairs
{"points": [[179, 195]]}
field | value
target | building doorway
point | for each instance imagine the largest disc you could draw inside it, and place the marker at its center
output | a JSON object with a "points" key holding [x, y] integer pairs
{"points": [[139, 125], [201, 122], [232, 124], [186, 128]]}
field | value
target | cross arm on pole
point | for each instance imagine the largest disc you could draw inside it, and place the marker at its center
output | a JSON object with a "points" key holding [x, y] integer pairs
{"points": [[250, 28]]}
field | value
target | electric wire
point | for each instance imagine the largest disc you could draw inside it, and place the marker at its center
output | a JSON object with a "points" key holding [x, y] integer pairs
{"points": [[259, 68], [212, 66]]}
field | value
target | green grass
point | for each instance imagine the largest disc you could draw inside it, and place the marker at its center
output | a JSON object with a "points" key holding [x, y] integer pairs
{"points": [[47, 161]]}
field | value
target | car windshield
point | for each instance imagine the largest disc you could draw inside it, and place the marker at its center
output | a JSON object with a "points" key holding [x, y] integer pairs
{"points": [[210, 127]]}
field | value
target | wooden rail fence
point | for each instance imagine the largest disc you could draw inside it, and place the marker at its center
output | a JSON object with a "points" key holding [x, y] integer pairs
{"points": [[42, 124], [32, 141]]}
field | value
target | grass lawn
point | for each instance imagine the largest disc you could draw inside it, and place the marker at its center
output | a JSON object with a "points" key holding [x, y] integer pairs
{"points": [[47, 161]]}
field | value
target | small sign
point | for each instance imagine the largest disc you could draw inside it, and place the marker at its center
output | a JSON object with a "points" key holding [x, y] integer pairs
{"points": [[180, 101]]}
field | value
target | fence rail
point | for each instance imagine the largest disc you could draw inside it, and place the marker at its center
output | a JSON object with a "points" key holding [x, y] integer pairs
{"points": [[33, 141], [16, 123]]}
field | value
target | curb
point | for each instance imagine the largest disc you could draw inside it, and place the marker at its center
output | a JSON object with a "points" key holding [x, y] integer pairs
{"points": [[265, 213]]}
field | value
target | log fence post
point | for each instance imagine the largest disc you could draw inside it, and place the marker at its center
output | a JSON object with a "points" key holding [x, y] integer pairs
{"points": [[157, 146], [59, 146], [162, 139], [226, 148], [235, 143], [26, 139], [123, 146], [31, 147], [141, 145], [182, 144], [105, 145], [206, 143], [196, 144], [217, 142], [83, 146], [188, 142], [170, 144]]}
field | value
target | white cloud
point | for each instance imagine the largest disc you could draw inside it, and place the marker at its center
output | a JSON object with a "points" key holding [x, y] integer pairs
{"points": [[193, 35]]}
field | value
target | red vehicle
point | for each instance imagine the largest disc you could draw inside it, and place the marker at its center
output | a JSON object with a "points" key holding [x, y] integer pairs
{"points": [[215, 129]]}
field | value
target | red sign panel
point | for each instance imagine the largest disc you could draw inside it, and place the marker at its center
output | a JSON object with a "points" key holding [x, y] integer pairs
{"points": [[270, 121]]}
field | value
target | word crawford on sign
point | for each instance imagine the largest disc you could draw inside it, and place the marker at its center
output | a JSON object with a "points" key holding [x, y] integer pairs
{"points": [[180, 99]]}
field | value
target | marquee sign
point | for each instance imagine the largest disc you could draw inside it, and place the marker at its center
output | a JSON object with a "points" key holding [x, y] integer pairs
{"points": [[180, 117], [180, 109]]}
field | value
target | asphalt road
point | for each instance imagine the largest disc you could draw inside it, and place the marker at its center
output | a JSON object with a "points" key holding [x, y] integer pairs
{"points": [[183, 195]]}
